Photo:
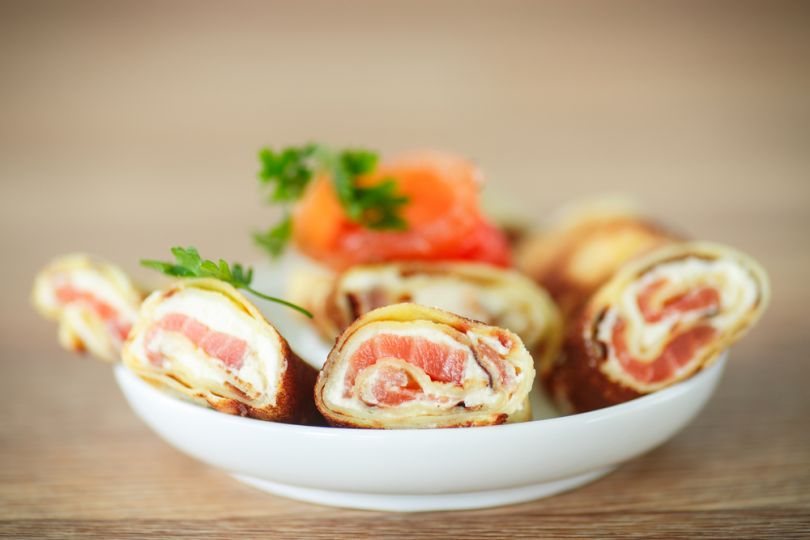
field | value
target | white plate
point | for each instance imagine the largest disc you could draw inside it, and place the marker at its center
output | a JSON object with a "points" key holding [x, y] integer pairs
{"points": [[416, 470]]}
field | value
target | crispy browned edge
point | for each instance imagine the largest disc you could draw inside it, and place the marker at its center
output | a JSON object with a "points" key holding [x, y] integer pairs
{"points": [[575, 383], [294, 398], [462, 324]]}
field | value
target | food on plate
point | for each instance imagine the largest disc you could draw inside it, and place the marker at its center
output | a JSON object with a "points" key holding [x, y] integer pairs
{"points": [[403, 269], [94, 302], [411, 366], [660, 319], [202, 339], [347, 209], [492, 295], [585, 247]]}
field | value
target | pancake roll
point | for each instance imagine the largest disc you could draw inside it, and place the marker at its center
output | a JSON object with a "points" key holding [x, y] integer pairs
{"points": [[584, 247], [411, 366], [659, 320], [94, 302], [204, 340], [489, 294]]}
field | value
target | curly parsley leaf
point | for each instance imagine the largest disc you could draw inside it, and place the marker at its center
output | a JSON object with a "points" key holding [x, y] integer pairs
{"points": [[275, 239], [289, 171], [378, 206], [188, 263]]}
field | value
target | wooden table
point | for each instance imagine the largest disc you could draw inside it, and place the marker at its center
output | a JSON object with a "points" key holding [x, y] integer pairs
{"points": [[127, 129]]}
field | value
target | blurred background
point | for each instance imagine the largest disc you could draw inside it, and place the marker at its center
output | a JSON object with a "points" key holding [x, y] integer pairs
{"points": [[126, 128]]}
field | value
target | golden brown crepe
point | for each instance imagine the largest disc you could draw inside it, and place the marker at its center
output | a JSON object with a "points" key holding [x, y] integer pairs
{"points": [[94, 302], [659, 320], [485, 293], [202, 339], [584, 248], [410, 366]]}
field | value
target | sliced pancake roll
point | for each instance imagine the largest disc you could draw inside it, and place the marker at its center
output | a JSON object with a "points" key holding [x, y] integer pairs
{"points": [[94, 302], [585, 247], [203, 339], [659, 320], [411, 366], [485, 293]]}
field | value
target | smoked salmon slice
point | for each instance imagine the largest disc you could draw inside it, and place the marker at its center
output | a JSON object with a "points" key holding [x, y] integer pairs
{"points": [[437, 360], [228, 349], [119, 325], [444, 221], [660, 319], [411, 366], [700, 298]]}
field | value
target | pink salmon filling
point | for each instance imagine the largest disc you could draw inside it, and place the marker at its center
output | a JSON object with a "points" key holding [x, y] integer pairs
{"points": [[682, 347], [228, 349], [439, 361], [67, 294]]}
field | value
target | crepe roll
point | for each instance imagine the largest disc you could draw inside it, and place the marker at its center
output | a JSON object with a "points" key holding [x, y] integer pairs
{"points": [[584, 248], [495, 296], [94, 302], [411, 366], [659, 320], [204, 340]]}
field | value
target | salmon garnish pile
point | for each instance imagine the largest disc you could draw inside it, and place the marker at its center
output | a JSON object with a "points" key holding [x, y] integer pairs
{"points": [[443, 218]]}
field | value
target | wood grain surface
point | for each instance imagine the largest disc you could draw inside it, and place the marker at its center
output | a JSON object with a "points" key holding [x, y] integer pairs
{"points": [[127, 128]]}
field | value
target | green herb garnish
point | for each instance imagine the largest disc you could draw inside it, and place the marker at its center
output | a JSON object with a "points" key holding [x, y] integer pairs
{"points": [[275, 239], [190, 264], [287, 174]]}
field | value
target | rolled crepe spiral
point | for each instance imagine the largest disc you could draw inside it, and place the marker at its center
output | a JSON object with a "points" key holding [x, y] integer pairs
{"points": [[659, 320], [94, 302], [485, 293], [410, 366], [202, 339]]}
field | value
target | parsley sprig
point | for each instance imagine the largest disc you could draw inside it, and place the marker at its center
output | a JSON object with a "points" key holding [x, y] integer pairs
{"points": [[188, 263], [288, 172]]}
